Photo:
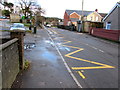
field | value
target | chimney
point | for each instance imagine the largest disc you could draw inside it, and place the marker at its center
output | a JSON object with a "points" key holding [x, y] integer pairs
{"points": [[96, 10]]}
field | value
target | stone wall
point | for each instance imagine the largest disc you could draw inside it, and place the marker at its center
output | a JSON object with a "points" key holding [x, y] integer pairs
{"points": [[10, 62]]}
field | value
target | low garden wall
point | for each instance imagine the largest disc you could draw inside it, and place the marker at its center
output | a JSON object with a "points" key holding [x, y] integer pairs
{"points": [[104, 33], [9, 54]]}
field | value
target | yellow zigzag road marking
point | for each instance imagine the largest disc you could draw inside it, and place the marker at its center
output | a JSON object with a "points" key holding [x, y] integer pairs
{"points": [[80, 73], [80, 49], [81, 68]]}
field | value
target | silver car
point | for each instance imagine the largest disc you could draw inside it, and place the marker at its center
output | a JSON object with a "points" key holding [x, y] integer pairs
{"points": [[18, 26]]}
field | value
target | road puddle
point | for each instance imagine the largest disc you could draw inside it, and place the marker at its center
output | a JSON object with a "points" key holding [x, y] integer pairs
{"points": [[49, 42], [29, 46], [63, 48]]}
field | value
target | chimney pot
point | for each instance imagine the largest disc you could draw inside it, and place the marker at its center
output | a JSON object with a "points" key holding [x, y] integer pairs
{"points": [[96, 10]]}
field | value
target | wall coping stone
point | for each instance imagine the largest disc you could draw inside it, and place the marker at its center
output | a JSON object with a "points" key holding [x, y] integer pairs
{"points": [[3, 46]]}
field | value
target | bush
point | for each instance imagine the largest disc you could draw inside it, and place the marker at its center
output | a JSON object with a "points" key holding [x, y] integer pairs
{"points": [[26, 64], [61, 26], [6, 12], [71, 27]]}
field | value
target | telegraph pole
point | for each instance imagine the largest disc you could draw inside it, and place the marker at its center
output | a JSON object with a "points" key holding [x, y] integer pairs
{"points": [[82, 6], [82, 16]]}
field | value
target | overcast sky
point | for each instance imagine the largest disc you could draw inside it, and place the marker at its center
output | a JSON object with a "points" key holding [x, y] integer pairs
{"points": [[56, 8]]}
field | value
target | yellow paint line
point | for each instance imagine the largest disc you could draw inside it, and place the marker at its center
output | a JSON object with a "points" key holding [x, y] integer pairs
{"points": [[99, 67], [80, 73], [89, 61], [71, 46], [68, 55], [66, 42], [80, 49]]}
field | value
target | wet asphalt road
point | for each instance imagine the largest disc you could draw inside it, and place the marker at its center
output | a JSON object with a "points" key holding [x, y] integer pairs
{"points": [[93, 62], [95, 65]]}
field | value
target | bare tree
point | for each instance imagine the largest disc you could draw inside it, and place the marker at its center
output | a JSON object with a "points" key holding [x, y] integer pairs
{"points": [[32, 8], [26, 5]]}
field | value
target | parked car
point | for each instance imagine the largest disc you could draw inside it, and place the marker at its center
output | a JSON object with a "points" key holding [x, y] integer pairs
{"points": [[3, 17], [18, 26], [48, 25]]}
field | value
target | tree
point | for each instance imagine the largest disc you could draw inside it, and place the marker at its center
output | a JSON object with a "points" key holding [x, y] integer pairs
{"points": [[6, 12], [4, 4], [31, 8], [9, 5], [25, 6]]}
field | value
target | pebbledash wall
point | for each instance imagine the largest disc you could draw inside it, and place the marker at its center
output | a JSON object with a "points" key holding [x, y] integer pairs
{"points": [[104, 33], [10, 62]]}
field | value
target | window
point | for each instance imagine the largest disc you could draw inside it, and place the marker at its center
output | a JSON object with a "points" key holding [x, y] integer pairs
{"points": [[96, 18], [91, 18], [108, 25]]}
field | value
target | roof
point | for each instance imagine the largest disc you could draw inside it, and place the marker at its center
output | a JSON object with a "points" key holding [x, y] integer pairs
{"points": [[103, 14], [117, 5], [79, 12]]}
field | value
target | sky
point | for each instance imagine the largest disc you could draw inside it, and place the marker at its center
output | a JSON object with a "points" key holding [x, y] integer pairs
{"points": [[56, 8]]}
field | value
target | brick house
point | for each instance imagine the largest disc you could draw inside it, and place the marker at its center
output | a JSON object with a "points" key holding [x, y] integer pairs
{"points": [[72, 16], [112, 19]]}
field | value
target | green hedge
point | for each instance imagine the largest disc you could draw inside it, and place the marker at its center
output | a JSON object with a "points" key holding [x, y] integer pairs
{"points": [[72, 28]]}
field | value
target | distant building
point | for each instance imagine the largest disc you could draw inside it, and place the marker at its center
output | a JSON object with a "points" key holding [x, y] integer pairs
{"points": [[72, 16], [112, 19]]}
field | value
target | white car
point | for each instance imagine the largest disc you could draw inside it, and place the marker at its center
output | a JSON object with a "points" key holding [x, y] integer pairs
{"points": [[18, 26], [48, 25]]}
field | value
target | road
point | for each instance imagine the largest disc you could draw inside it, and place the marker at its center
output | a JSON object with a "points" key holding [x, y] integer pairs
{"points": [[93, 61], [75, 60], [65, 59], [4, 25]]}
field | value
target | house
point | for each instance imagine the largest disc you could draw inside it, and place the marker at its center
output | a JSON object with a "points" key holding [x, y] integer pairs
{"points": [[72, 16], [112, 19]]}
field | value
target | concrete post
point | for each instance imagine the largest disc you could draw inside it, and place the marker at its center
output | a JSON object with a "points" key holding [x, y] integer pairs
{"points": [[20, 35]]}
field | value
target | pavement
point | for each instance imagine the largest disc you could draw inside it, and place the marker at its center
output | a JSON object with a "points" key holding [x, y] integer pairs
{"points": [[47, 69], [65, 59]]}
